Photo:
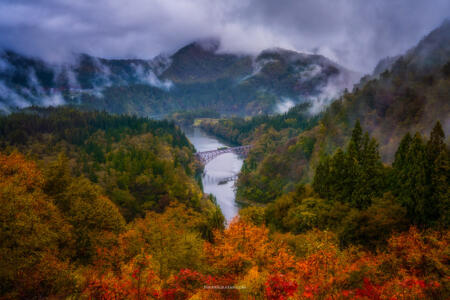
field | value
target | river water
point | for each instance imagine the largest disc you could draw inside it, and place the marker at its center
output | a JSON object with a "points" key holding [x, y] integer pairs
{"points": [[223, 166]]}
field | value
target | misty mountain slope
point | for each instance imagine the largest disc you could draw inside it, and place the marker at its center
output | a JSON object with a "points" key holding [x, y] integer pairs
{"points": [[298, 73], [196, 76], [411, 97], [200, 62]]}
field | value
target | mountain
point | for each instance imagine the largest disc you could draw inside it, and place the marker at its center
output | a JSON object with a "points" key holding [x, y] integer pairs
{"points": [[196, 76], [409, 95]]}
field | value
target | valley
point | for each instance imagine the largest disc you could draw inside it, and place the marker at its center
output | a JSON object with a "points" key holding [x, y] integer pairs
{"points": [[210, 172], [223, 167]]}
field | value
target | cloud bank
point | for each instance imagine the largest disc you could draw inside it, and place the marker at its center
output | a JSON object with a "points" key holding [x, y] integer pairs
{"points": [[354, 33]]}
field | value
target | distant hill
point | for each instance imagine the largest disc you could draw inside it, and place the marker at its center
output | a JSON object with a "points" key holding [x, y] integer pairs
{"points": [[196, 76]]}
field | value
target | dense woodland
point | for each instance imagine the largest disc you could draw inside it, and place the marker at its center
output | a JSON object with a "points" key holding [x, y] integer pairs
{"points": [[68, 229], [139, 163], [244, 130]]}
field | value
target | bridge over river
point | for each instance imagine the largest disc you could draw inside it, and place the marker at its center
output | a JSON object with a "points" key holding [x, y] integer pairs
{"points": [[206, 156]]}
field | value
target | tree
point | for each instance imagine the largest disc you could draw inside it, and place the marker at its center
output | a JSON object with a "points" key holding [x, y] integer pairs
{"points": [[95, 218], [280, 287], [372, 227], [420, 177], [438, 176], [32, 235], [57, 178], [355, 145], [402, 152], [171, 238], [413, 190], [354, 176]]}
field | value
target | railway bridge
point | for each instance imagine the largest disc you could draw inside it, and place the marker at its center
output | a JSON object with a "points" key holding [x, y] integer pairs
{"points": [[206, 156]]}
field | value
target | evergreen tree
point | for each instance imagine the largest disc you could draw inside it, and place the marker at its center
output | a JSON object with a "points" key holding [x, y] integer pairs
{"points": [[355, 176], [402, 152], [420, 177], [321, 182], [399, 173], [369, 172], [440, 181], [436, 144], [413, 188], [438, 178], [341, 177], [354, 147]]}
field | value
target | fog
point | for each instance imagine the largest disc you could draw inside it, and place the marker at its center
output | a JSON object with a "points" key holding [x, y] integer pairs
{"points": [[354, 33]]}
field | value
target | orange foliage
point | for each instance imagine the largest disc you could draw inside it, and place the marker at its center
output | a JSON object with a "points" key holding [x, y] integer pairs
{"points": [[414, 266], [14, 169], [136, 280], [242, 246], [163, 257]]}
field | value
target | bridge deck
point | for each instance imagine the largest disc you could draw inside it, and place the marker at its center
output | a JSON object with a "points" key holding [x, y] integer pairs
{"points": [[207, 156]]}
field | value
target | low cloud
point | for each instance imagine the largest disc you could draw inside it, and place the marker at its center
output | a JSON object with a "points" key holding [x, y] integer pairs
{"points": [[148, 77], [284, 105], [352, 32], [333, 89], [11, 98]]}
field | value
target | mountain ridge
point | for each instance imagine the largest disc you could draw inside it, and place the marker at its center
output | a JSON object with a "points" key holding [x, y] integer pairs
{"points": [[196, 76]]}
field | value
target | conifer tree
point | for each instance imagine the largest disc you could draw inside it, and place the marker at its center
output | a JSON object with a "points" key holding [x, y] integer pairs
{"points": [[402, 152], [436, 144], [413, 192], [438, 178], [321, 182], [355, 176], [354, 147], [341, 176]]}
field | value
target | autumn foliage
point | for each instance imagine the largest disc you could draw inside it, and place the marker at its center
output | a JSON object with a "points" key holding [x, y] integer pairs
{"points": [[61, 237], [163, 255]]}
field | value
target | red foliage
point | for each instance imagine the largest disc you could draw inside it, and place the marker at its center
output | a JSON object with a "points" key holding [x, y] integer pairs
{"points": [[278, 287], [369, 290]]}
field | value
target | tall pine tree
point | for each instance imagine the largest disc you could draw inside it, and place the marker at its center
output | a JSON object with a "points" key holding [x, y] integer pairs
{"points": [[438, 178], [421, 178], [354, 176]]}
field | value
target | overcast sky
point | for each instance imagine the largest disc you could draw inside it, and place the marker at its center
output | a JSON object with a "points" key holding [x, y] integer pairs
{"points": [[354, 33]]}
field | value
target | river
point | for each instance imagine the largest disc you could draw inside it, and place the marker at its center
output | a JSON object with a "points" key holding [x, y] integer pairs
{"points": [[225, 165]]}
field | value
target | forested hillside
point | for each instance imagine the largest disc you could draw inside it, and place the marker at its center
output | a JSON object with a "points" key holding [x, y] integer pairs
{"points": [[75, 243], [139, 163], [409, 96]]}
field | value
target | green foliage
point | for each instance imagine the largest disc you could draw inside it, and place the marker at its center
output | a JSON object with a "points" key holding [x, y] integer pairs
{"points": [[420, 177], [354, 176], [265, 174], [56, 223], [187, 118], [361, 200], [410, 96], [373, 226], [140, 163], [170, 238], [92, 216], [253, 214], [241, 130]]}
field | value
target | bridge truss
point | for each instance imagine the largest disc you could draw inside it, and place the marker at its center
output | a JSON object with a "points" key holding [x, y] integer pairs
{"points": [[206, 156]]}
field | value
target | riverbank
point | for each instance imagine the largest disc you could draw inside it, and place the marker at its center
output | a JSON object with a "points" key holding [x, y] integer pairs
{"points": [[224, 166]]}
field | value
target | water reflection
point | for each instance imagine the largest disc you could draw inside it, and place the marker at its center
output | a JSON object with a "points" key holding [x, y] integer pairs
{"points": [[220, 173]]}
